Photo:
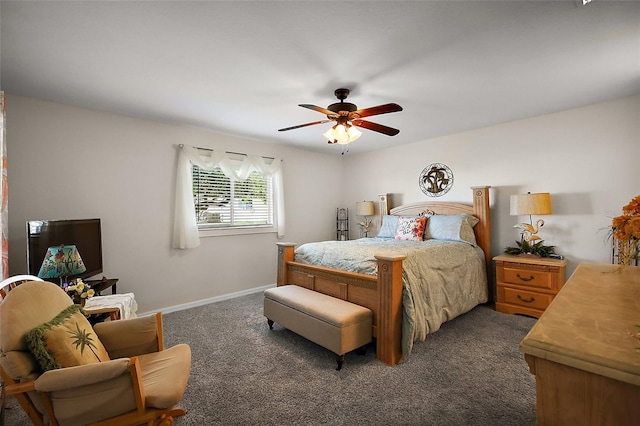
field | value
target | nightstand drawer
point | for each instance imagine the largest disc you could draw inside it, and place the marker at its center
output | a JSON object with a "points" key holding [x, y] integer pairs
{"points": [[531, 277], [527, 298]]}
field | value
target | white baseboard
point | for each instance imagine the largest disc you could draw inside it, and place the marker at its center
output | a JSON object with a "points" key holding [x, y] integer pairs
{"points": [[196, 303]]}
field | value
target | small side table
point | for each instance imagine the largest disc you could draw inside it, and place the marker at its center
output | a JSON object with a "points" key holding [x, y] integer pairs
{"points": [[115, 305], [527, 285], [96, 315]]}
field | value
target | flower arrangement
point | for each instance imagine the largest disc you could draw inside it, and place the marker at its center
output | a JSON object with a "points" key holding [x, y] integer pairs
{"points": [[365, 224], [78, 291], [530, 244], [524, 247], [625, 230]]}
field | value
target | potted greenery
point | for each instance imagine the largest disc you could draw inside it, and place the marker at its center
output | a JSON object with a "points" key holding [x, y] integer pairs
{"points": [[525, 247]]}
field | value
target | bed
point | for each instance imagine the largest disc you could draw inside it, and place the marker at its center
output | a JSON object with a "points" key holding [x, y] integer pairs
{"points": [[383, 286]]}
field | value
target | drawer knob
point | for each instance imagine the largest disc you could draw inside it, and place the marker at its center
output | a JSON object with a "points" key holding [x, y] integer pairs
{"points": [[531, 277], [532, 299]]}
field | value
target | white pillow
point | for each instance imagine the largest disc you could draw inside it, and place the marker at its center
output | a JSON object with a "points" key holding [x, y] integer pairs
{"points": [[410, 228]]}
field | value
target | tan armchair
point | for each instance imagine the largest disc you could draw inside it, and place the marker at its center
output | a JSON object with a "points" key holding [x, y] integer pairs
{"points": [[140, 384]]}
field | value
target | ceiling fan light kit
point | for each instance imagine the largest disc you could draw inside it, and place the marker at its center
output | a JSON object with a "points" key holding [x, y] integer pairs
{"points": [[342, 133], [348, 117]]}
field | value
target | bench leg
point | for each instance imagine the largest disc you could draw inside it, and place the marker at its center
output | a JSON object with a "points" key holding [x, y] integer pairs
{"points": [[340, 361], [270, 324]]}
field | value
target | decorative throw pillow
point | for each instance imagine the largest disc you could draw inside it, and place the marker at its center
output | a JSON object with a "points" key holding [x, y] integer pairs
{"points": [[410, 228], [452, 227], [389, 226], [67, 340]]}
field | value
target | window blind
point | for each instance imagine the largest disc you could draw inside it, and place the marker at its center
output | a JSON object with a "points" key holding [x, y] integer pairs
{"points": [[221, 202]]}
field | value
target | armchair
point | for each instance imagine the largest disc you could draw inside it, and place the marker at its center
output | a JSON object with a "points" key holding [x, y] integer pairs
{"points": [[140, 383]]}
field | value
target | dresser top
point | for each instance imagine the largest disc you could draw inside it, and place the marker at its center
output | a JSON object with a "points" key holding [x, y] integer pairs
{"points": [[591, 323], [530, 260]]}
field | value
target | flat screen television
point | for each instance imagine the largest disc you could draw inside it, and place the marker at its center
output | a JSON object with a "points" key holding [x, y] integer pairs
{"points": [[85, 234]]}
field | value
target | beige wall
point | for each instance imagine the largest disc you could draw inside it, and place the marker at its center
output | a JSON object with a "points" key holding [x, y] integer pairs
{"points": [[67, 162], [587, 158]]}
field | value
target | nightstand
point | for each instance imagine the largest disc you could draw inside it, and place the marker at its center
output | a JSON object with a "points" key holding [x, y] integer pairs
{"points": [[527, 285]]}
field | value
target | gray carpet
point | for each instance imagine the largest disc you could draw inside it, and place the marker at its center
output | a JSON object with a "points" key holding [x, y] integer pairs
{"points": [[470, 372]]}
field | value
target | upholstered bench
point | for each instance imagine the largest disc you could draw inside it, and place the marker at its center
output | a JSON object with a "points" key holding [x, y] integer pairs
{"points": [[333, 323]]}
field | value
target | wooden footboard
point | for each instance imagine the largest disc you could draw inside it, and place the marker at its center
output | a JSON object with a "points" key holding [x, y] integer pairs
{"points": [[382, 294]]}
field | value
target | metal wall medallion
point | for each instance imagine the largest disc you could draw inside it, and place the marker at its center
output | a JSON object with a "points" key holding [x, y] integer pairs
{"points": [[436, 179]]}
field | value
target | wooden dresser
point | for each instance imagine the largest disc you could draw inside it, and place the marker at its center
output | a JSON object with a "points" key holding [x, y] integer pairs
{"points": [[527, 285], [583, 352]]}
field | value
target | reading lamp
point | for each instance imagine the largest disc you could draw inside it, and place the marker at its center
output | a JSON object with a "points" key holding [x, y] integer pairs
{"points": [[530, 204], [365, 208], [60, 262]]}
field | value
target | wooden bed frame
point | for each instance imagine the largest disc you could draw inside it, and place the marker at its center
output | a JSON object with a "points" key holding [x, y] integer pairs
{"points": [[383, 293]]}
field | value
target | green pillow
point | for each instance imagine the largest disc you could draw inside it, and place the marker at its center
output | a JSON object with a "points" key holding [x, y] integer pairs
{"points": [[67, 340]]}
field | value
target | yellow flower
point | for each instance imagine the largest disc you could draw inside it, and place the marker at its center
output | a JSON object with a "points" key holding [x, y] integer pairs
{"points": [[79, 291]]}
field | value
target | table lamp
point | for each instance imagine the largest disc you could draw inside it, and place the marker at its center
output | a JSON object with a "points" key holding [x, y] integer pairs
{"points": [[366, 209], [530, 204], [60, 262], [530, 243]]}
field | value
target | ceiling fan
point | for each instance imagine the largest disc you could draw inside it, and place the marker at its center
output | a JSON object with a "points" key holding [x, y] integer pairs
{"points": [[347, 115]]}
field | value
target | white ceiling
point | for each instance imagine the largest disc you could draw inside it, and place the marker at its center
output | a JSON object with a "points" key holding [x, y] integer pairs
{"points": [[242, 67]]}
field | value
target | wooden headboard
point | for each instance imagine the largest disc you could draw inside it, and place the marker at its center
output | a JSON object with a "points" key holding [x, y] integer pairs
{"points": [[479, 208]]}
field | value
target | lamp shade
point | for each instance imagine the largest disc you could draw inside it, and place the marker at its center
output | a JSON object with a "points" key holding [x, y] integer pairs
{"points": [[342, 134], [364, 208], [353, 134], [61, 261], [530, 204]]}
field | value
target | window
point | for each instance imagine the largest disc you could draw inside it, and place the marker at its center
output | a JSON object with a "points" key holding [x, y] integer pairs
{"points": [[223, 203], [226, 194]]}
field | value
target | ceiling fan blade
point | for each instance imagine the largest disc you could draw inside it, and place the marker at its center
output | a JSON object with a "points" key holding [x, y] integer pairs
{"points": [[376, 110], [319, 109], [390, 131], [304, 125]]}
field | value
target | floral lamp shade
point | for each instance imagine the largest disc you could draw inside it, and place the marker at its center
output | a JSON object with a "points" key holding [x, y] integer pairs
{"points": [[61, 261]]}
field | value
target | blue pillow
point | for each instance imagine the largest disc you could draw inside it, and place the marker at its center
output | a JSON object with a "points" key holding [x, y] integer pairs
{"points": [[388, 227], [452, 227]]}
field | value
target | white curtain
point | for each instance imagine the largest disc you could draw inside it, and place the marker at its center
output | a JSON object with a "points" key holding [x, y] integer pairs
{"points": [[185, 228]]}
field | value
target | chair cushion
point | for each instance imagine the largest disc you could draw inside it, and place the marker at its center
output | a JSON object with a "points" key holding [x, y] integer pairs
{"points": [[131, 337], [27, 306], [67, 340], [159, 369]]}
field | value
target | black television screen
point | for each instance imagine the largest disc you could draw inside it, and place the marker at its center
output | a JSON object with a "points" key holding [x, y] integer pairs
{"points": [[85, 234]]}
